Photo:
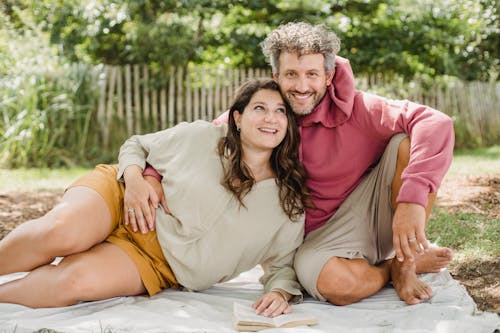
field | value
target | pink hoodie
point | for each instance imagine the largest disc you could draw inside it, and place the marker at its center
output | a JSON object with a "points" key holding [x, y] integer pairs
{"points": [[346, 134]]}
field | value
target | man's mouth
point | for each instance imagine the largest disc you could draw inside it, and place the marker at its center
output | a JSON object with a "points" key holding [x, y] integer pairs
{"points": [[301, 96]]}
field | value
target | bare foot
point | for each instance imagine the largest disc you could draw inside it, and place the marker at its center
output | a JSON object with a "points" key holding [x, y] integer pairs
{"points": [[433, 260], [409, 288]]}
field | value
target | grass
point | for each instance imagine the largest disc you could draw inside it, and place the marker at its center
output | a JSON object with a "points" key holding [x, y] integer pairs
{"points": [[38, 179], [476, 162], [470, 235]]}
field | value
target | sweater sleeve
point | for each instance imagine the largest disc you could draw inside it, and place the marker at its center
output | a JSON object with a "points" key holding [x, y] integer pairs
{"points": [[142, 150], [431, 143], [150, 171], [278, 269]]}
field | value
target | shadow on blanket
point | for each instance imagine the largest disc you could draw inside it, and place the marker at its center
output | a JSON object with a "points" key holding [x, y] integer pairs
{"points": [[451, 309]]}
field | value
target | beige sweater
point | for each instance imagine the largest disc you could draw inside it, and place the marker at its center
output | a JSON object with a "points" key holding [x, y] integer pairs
{"points": [[210, 238]]}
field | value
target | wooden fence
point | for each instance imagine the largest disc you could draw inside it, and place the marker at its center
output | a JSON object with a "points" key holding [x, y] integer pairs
{"points": [[142, 100], [146, 100]]}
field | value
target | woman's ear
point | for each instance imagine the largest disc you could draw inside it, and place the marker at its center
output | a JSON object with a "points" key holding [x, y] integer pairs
{"points": [[237, 118]]}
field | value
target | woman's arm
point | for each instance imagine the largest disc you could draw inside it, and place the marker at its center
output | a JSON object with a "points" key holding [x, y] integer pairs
{"points": [[279, 279], [141, 194]]}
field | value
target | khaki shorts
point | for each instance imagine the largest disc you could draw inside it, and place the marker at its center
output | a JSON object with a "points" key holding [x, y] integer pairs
{"points": [[360, 229], [144, 249]]}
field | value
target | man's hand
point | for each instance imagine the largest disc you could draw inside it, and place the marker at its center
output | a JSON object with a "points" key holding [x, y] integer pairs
{"points": [[140, 200], [158, 189], [408, 231]]}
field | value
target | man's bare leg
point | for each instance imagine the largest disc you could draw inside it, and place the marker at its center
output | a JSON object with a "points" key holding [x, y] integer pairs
{"points": [[346, 281], [404, 274]]}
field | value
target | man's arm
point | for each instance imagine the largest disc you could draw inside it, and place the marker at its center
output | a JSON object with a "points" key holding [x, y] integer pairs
{"points": [[431, 151]]}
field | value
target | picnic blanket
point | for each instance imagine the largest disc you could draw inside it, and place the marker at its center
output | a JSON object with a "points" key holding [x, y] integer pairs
{"points": [[451, 309]]}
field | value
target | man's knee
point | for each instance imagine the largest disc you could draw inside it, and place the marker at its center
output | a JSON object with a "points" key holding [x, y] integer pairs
{"points": [[336, 282]]}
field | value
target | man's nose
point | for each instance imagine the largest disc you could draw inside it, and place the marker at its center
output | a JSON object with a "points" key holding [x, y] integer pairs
{"points": [[301, 84]]}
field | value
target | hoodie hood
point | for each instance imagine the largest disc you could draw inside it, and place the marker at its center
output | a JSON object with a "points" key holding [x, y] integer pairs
{"points": [[339, 94]]}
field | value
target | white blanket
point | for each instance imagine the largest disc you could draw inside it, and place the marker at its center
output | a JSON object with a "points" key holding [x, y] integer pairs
{"points": [[451, 309]]}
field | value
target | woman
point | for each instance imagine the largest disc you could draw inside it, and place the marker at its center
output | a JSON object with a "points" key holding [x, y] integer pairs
{"points": [[236, 195]]}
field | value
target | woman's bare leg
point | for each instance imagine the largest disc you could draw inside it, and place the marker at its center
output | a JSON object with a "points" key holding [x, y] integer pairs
{"points": [[81, 220], [102, 272]]}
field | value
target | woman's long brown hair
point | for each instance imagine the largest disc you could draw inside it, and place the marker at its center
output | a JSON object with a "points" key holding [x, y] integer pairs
{"points": [[289, 171]]}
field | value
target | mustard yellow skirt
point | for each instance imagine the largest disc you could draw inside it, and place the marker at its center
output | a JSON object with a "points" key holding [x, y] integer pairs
{"points": [[144, 249]]}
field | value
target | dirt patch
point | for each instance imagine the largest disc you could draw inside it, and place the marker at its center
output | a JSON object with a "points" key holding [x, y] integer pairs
{"points": [[479, 195]]}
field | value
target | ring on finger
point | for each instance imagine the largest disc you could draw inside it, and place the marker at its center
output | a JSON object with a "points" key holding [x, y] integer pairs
{"points": [[412, 239], [131, 210]]}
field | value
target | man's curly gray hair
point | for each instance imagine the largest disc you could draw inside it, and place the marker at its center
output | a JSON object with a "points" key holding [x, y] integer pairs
{"points": [[301, 38]]}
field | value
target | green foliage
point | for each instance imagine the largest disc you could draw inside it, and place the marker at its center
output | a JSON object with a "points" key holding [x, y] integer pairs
{"points": [[45, 103], [411, 38], [424, 37], [465, 232]]}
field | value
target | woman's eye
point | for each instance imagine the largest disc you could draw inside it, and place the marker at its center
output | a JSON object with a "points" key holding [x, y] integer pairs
{"points": [[258, 108], [281, 110]]}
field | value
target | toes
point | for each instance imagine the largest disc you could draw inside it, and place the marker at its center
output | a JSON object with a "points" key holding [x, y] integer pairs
{"points": [[424, 291], [412, 301], [444, 252]]}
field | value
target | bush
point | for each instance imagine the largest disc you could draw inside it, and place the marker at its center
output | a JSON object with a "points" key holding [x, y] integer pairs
{"points": [[46, 104]]}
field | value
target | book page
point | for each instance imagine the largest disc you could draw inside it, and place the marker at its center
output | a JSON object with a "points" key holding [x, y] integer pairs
{"points": [[246, 315]]}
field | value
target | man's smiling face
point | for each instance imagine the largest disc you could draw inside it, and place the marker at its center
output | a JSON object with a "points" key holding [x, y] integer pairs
{"points": [[302, 80]]}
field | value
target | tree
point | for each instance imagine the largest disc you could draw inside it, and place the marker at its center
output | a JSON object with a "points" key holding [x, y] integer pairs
{"points": [[427, 37]]}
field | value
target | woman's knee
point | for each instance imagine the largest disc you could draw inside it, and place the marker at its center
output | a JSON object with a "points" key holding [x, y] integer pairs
{"points": [[61, 235], [76, 282]]}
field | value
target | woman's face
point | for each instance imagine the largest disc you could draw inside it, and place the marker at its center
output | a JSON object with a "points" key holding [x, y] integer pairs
{"points": [[263, 123]]}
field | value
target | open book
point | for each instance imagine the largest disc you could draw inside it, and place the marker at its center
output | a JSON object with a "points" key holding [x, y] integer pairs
{"points": [[245, 319]]}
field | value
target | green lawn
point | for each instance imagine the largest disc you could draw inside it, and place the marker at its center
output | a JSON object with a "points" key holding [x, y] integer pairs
{"points": [[471, 235], [476, 162], [37, 179]]}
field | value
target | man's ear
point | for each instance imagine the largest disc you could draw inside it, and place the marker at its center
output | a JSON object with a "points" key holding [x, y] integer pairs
{"points": [[329, 77], [275, 77]]}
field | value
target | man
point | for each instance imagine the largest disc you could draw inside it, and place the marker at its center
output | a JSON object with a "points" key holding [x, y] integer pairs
{"points": [[374, 166], [350, 238]]}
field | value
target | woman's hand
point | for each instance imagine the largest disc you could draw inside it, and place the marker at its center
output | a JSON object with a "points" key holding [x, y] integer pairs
{"points": [[140, 200], [273, 303]]}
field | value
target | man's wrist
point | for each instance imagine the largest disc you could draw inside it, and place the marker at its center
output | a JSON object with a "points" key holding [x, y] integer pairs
{"points": [[150, 171]]}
